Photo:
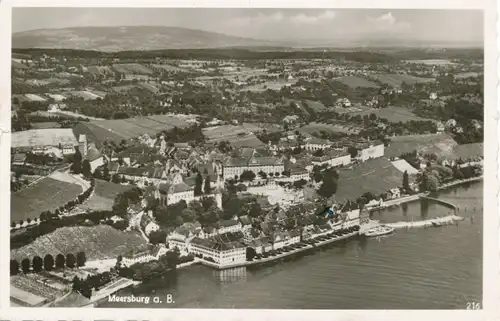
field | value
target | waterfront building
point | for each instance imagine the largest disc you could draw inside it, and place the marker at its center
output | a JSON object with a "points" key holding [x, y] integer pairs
{"points": [[147, 255], [222, 253]]}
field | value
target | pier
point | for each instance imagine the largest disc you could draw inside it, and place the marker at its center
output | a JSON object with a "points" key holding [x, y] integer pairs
{"points": [[434, 222], [440, 201]]}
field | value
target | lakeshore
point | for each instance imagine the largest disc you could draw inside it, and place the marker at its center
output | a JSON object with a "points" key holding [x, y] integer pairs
{"points": [[305, 247], [416, 197], [352, 274]]}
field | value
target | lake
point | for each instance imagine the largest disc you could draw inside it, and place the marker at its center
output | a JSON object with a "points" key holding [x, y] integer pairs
{"points": [[431, 268]]}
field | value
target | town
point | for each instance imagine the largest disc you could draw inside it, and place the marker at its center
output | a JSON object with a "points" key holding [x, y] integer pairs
{"points": [[127, 165]]}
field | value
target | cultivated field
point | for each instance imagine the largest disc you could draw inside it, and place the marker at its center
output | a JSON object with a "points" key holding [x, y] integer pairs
{"points": [[98, 242], [375, 176], [334, 127], [464, 75], [466, 151], [316, 105], [393, 114], [273, 85], [86, 95], [238, 136], [132, 69], [395, 80], [431, 62], [431, 143], [118, 129], [169, 68], [46, 194], [355, 81], [104, 195]]}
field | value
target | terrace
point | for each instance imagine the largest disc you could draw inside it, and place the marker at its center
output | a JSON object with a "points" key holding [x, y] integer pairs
{"points": [[46, 194], [374, 176], [98, 242]]}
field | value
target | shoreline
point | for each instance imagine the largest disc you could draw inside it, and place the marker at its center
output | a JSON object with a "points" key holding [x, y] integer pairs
{"points": [[416, 197], [256, 263]]}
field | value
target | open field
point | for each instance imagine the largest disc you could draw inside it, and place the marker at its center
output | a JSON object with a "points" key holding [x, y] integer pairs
{"points": [[316, 105], [464, 75], [124, 88], [466, 151], [334, 127], [238, 136], [273, 85], [431, 62], [169, 68], [118, 129], [98, 242], [393, 114], [132, 68], [375, 176], [104, 195], [43, 137], [430, 143], [46, 194], [86, 95], [395, 80], [355, 81]]}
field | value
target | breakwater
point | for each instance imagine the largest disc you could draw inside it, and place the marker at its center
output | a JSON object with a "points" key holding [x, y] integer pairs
{"points": [[435, 222]]}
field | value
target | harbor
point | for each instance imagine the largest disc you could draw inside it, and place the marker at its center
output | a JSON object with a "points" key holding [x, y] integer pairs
{"points": [[355, 267]]}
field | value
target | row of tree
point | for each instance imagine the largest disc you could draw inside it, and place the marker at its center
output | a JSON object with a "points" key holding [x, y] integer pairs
{"points": [[37, 264]]}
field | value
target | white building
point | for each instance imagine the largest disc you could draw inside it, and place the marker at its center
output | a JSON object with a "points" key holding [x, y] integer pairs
{"points": [[334, 158], [236, 167], [313, 144], [144, 256], [372, 150], [222, 254]]}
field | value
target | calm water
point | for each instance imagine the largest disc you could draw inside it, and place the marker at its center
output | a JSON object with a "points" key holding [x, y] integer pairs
{"points": [[433, 268]]}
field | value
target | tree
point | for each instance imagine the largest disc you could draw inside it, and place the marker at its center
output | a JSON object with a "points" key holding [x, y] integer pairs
{"points": [[86, 168], [120, 205], [70, 260], [353, 151], [406, 183], [26, 265], [207, 187], [60, 261], [319, 153], [81, 259], [14, 267], [198, 185], [76, 167], [37, 264], [158, 237], [328, 187], [247, 176], [48, 262]]}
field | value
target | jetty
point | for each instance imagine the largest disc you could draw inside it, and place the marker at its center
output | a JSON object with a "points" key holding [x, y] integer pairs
{"points": [[434, 222]]}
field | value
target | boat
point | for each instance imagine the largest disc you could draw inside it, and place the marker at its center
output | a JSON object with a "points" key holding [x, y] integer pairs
{"points": [[379, 231]]}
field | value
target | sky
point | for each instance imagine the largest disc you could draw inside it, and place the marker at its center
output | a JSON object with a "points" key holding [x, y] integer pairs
{"points": [[272, 24]]}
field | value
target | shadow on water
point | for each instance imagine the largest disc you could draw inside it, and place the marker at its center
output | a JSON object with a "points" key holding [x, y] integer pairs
{"points": [[404, 207], [167, 280], [424, 208]]}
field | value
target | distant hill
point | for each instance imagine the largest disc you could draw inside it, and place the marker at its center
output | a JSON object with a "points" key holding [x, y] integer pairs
{"points": [[130, 39]]}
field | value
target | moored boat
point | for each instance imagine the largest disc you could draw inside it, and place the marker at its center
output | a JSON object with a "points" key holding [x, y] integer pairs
{"points": [[379, 231]]}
